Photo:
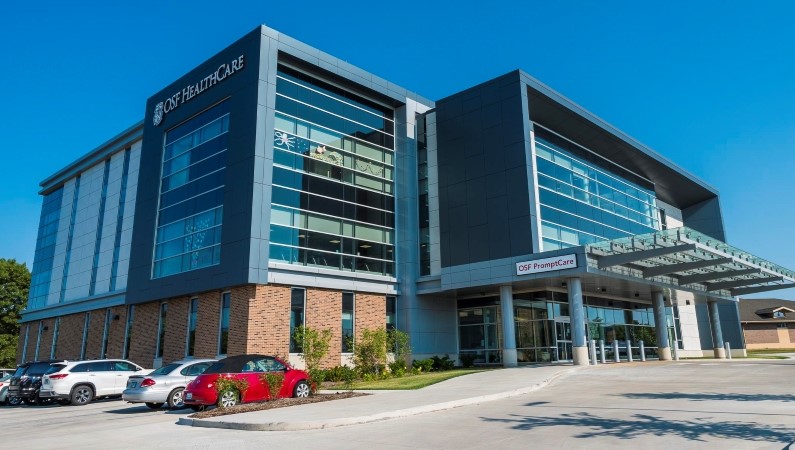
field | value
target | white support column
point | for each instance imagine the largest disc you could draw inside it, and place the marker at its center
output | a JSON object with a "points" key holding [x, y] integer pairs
{"points": [[717, 334], [661, 326], [577, 313], [509, 358]]}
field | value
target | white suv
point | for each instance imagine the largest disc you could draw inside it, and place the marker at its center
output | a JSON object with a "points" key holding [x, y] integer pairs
{"points": [[79, 382]]}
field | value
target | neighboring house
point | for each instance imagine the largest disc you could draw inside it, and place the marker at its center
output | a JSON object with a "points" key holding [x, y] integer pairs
{"points": [[768, 323]]}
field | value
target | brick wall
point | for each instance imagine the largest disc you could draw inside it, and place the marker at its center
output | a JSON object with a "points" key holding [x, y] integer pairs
{"points": [[761, 333], [143, 338], [30, 354], [45, 341], [207, 323], [241, 297], [324, 312], [176, 329], [96, 328], [70, 336], [116, 331], [269, 320], [370, 312]]}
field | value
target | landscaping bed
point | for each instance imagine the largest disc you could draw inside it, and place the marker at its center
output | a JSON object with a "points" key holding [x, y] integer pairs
{"points": [[279, 403]]}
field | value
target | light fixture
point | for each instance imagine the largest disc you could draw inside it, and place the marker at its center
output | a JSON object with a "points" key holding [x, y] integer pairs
{"points": [[365, 246], [335, 241]]}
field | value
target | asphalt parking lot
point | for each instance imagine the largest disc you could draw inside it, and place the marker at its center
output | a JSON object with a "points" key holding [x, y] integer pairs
{"points": [[687, 404]]}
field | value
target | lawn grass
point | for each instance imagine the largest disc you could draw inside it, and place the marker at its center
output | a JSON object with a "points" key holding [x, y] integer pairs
{"points": [[768, 351], [763, 356], [410, 382]]}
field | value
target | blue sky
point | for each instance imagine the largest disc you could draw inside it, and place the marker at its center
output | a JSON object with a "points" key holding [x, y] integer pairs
{"points": [[707, 84]]}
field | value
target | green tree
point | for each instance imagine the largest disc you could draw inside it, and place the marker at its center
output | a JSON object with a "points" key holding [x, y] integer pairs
{"points": [[314, 347], [14, 287]]}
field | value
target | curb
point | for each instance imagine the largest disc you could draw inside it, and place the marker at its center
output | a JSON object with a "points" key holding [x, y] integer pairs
{"points": [[347, 421]]}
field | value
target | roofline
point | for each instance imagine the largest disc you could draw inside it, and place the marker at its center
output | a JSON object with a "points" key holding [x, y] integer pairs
{"points": [[111, 146], [607, 127]]}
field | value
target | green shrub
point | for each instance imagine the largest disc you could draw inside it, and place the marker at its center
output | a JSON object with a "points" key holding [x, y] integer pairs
{"points": [[340, 374], [370, 351], [314, 347], [273, 381], [224, 384], [443, 363], [398, 368], [422, 365], [467, 359]]}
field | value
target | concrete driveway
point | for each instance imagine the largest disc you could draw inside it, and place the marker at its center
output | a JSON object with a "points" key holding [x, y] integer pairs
{"points": [[687, 404]]}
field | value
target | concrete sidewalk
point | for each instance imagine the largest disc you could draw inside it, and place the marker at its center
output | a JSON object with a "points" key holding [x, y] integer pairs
{"points": [[383, 405]]}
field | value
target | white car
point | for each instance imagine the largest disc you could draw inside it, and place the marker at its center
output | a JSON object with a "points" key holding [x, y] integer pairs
{"points": [[79, 382], [165, 385]]}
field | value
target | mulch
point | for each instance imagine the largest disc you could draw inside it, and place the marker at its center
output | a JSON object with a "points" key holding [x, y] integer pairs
{"points": [[279, 403]]}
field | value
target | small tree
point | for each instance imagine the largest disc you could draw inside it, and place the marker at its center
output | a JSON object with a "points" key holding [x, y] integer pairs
{"points": [[370, 351], [14, 286], [314, 347]]}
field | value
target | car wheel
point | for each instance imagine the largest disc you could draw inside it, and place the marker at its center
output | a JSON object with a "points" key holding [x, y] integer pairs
{"points": [[81, 395], [14, 401], [227, 399], [301, 390], [154, 405], [198, 408], [176, 399]]}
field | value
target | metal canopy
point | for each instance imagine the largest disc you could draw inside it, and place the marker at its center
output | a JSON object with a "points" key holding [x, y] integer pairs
{"points": [[689, 260]]}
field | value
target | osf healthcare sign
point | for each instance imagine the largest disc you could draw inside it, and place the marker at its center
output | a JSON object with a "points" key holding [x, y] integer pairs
{"points": [[546, 264]]}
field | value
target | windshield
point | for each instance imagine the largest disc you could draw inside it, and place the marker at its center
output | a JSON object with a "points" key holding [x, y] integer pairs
{"points": [[55, 368], [165, 370], [38, 369], [5, 378]]}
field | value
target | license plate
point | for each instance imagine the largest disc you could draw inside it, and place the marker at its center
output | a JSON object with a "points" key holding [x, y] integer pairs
{"points": [[132, 384], [189, 396]]}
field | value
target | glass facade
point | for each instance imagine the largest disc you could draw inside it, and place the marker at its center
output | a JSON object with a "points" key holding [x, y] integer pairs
{"points": [[347, 322], [333, 201], [582, 202], [424, 207], [297, 305], [191, 194], [543, 328], [45, 249], [100, 221], [114, 269], [193, 317], [223, 330]]}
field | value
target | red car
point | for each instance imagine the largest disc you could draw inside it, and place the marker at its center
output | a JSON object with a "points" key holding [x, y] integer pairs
{"points": [[247, 373]]}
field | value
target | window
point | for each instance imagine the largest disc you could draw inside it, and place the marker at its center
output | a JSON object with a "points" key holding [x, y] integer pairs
{"points": [[86, 323], [104, 351], [391, 313], [195, 370], [223, 330], [56, 330], [38, 340], [297, 297], [161, 330], [781, 325], [25, 344], [192, 317], [123, 366], [128, 331], [347, 322]]}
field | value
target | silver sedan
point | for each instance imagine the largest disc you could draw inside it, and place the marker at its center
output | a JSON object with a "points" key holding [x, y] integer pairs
{"points": [[165, 385]]}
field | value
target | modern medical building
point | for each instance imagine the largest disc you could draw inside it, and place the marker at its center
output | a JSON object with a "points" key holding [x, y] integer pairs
{"points": [[275, 185]]}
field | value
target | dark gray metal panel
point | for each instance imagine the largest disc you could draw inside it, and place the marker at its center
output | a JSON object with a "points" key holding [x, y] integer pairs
{"points": [[704, 327], [241, 91], [730, 324], [706, 217], [483, 179]]}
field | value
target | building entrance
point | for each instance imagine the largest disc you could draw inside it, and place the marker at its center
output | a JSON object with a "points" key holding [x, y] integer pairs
{"points": [[563, 338]]}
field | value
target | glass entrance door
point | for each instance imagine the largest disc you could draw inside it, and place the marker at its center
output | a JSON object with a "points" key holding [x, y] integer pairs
{"points": [[563, 338]]}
